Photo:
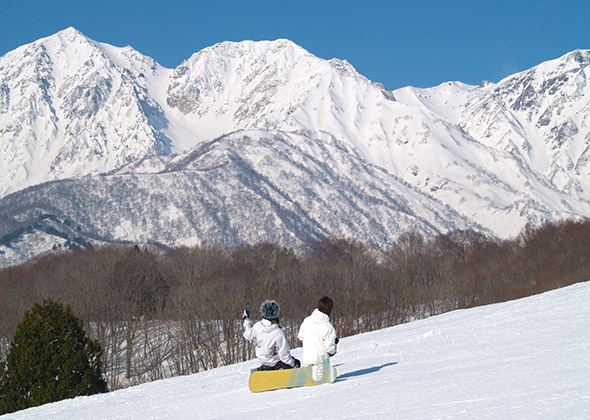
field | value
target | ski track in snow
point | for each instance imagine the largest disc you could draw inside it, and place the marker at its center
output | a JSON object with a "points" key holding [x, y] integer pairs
{"points": [[526, 359]]}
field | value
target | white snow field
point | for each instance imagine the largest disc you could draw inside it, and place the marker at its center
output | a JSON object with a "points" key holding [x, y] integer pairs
{"points": [[526, 359]]}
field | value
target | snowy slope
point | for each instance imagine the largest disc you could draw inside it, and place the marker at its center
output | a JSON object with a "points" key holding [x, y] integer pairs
{"points": [[526, 359]]}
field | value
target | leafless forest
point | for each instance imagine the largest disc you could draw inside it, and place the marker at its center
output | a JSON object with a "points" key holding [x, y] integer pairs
{"points": [[160, 315]]}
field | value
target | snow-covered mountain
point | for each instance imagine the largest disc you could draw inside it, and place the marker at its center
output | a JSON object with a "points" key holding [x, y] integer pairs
{"points": [[71, 107], [228, 192], [256, 141], [526, 359]]}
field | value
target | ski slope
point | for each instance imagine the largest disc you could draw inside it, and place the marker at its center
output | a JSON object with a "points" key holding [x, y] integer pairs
{"points": [[526, 359]]}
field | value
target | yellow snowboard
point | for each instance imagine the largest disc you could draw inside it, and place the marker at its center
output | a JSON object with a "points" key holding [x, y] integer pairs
{"points": [[267, 380]]}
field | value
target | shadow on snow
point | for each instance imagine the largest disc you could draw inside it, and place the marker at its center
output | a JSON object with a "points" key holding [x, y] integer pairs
{"points": [[361, 372]]}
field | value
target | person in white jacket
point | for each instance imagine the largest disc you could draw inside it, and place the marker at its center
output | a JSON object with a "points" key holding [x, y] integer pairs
{"points": [[272, 347], [318, 334]]}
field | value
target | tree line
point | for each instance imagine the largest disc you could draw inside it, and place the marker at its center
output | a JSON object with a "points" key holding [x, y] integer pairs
{"points": [[157, 315]]}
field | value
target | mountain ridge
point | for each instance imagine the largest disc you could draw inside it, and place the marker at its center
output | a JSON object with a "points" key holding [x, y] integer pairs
{"points": [[498, 156]]}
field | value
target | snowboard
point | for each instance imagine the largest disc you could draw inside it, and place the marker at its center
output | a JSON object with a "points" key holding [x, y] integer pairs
{"points": [[267, 380]]}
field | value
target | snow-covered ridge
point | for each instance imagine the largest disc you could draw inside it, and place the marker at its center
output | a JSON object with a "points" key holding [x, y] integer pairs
{"points": [[526, 359], [497, 156]]}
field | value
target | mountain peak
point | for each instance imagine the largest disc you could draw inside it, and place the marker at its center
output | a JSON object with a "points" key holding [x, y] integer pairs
{"points": [[61, 123], [70, 33], [579, 56], [64, 38], [251, 51], [247, 74], [262, 45]]}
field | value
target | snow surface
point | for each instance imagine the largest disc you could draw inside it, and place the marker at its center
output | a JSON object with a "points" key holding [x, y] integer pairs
{"points": [[526, 359]]}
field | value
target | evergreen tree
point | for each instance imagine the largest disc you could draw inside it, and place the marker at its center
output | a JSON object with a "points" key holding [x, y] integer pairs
{"points": [[50, 359]]}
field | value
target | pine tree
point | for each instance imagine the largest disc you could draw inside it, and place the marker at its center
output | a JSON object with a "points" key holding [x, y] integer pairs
{"points": [[50, 359]]}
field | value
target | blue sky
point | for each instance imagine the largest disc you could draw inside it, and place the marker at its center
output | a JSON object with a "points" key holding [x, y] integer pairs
{"points": [[398, 43]]}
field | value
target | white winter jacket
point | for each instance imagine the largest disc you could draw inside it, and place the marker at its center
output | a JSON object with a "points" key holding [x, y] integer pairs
{"points": [[271, 342], [319, 339]]}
